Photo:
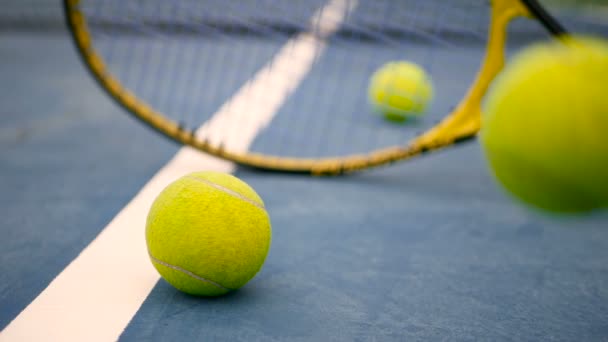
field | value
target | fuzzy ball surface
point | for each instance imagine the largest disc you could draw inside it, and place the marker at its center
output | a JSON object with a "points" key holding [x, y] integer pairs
{"points": [[399, 90], [208, 233], [545, 125]]}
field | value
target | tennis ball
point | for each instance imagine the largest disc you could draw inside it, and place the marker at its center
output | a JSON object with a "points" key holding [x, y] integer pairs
{"points": [[208, 233], [399, 90], [545, 126]]}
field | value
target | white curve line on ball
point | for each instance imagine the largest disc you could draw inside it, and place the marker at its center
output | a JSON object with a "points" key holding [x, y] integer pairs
{"points": [[188, 273], [227, 191]]}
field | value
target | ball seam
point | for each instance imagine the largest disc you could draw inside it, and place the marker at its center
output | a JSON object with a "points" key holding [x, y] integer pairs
{"points": [[227, 191], [188, 273]]}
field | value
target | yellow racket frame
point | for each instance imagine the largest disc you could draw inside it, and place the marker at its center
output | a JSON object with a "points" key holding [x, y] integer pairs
{"points": [[461, 124]]}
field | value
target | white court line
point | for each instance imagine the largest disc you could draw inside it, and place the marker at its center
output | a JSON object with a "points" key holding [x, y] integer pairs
{"points": [[99, 292]]}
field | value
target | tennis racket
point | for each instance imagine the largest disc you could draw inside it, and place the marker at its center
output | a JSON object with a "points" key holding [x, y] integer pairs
{"points": [[281, 85]]}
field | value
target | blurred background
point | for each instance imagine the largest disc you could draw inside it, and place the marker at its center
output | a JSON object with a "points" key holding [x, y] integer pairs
{"points": [[430, 249]]}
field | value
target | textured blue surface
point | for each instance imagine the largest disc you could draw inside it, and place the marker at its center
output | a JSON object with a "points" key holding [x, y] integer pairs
{"points": [[403, 253], [426, 250], [69, 161]]}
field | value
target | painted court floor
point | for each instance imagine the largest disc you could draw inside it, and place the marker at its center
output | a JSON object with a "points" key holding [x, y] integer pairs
{"points": [[430, 249]]}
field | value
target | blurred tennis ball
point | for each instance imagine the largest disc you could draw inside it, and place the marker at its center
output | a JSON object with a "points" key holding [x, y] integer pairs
{"points": [[399, 90], [545, 127], [208, 233]]}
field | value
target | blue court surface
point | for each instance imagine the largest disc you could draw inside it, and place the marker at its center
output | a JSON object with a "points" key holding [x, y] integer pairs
{"points": [[430, 249]]}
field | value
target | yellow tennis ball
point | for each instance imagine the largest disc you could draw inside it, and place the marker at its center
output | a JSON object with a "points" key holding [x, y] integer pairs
{"points": [[208, 233], [399, 90], [545, 127]]}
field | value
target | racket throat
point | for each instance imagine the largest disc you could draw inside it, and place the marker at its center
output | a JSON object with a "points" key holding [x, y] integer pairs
{"points": [[465, 119]]}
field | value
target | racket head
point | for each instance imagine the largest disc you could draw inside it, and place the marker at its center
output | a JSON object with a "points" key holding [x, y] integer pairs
{"points": [[177, 65]]}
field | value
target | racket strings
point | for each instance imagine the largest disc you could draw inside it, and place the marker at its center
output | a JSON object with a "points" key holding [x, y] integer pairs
{"points": [[189, 60]]}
